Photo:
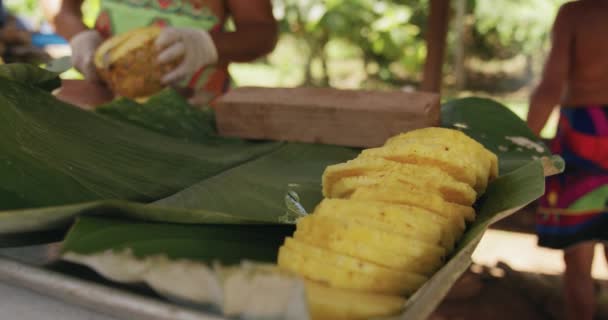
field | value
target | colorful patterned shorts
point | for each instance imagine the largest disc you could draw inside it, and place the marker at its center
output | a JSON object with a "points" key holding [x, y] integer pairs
{"points": [[574, 208]]}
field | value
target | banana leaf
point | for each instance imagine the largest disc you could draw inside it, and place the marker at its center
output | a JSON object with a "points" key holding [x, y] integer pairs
{"points": [[47, 79], [91, 236], [53, 154], [224, 243], [277, 187], [521, 182], [136, 172], [167, 113], [501, 131]]}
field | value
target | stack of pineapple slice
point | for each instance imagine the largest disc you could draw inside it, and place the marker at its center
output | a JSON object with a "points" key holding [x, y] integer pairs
{"points": [[390, 218]]}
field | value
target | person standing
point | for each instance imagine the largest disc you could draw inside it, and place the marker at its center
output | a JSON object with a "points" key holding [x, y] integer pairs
{"points": [[193, 29], [573, 214]]}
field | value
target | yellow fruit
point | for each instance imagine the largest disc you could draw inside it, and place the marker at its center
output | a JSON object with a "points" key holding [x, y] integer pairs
{"points": [[383, 248], [373, 168], [474, 157], [414, 197], [348, 263], [327, 303], [127, 63], [462, 169], [451, 135], [408, 220], [320, 270]]}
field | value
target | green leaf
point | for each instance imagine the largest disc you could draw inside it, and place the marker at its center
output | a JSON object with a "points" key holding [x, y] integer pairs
{"points": [[222, 199], [167, 113], [225, 243], [496, 127], [52, 153], [261, 189], [31, 75], [504, 197]]}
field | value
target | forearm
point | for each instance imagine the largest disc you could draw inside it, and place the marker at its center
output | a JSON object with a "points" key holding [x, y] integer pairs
{"points": [[68, 24], [248, 43], [541, 107]]}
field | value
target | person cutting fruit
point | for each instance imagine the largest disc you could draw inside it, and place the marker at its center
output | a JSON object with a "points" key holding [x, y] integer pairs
{"points": [[573, 213], [193, 31]]}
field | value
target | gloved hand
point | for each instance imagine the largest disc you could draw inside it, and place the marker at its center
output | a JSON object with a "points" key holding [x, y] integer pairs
{"points": [[83, 47], [194, 46]]}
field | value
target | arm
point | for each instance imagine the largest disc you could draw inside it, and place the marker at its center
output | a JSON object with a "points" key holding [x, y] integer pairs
{"points": [[255, 35], [65, 16], [548, 93]]}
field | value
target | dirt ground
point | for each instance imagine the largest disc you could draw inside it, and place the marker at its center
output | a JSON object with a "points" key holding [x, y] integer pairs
{"points": [[500, 292]]}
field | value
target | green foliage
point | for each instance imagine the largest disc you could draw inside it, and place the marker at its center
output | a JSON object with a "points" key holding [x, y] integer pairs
{"points": [[383, 31], [504, 29]]}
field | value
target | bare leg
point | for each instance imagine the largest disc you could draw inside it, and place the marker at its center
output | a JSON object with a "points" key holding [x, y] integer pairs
{"points": [[578, 282]]}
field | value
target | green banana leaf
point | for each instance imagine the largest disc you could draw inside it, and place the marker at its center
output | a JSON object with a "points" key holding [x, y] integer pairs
{"points": [[167, 113], [47, 79], [276, 187], [203, 243], [516, 187], [52, 153], [501, 131], [225, 243], [201, 193]]}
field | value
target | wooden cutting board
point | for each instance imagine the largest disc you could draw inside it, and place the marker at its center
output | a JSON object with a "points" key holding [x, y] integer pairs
{"points": [[353, 118]]}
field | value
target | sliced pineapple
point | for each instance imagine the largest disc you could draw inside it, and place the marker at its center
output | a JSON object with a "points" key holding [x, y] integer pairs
{"points": [[475, 157], [346, 262], [463, 168], [451, 191], [429, 177], [414, 197], [365, 244], [318, 269], [326, 303], [408, 220], [450, 135], [359, 232]]}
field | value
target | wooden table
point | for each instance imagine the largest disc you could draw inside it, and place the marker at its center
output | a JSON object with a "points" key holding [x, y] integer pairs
{"points": [[82, 93]]}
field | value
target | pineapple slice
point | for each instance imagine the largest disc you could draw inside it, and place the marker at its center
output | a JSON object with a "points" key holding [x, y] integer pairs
{"points": [[321, 270], [392, 217], [475, 156], [327, 303], [373, 254], [452, 135], [361, 232], [460, 166], [348, 263], [428, 177], [413, 196], [381, 247]]}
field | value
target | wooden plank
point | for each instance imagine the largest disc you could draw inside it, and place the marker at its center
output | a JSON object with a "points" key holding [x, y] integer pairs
{"points": [[324, 115], [435, 45]]}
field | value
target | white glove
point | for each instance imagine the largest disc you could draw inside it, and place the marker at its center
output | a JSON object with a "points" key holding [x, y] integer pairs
{"points": [[83, 46], [195, 47]]}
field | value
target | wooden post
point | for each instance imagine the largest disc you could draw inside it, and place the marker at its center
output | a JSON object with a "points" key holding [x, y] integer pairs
{"points": [[435, 45], [459, 48]]}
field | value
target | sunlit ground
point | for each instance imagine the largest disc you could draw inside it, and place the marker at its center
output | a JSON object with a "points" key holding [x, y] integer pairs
{"points": [[521, 253]]}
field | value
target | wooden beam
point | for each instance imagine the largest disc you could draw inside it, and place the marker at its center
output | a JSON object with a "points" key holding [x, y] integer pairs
{"points": [[435, 45], [354, 118]]}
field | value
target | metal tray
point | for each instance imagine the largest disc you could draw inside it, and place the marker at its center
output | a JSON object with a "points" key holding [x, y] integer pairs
{"points": [[39, 269]]}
